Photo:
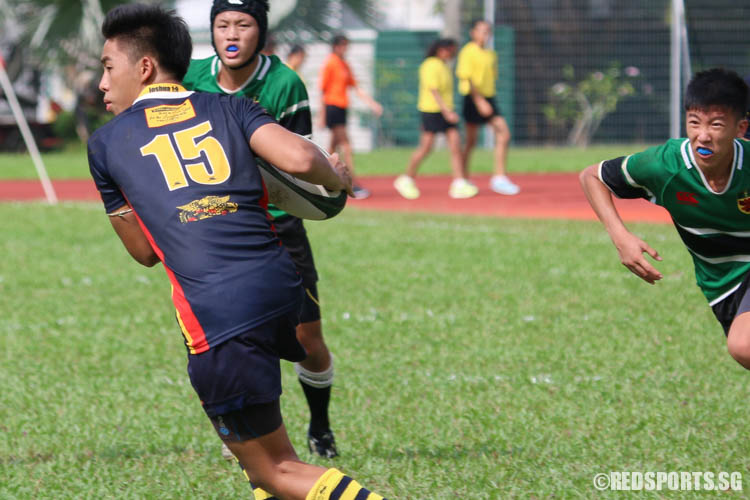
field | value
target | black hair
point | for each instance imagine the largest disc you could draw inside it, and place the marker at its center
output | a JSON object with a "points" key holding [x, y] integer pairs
{"points": [[476, 21], [339, 40], [440, 43], [717, 87], [256, 8], [296, 49], [151, 30]]}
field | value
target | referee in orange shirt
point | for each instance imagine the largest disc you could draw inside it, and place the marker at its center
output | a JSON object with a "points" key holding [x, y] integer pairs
{"points": [[335, 79]]}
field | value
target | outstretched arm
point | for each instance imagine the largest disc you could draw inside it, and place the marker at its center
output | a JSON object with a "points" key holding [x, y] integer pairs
{"points": [[629, 246]]}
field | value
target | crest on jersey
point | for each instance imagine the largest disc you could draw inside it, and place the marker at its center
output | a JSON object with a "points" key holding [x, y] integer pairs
{"points": [[205, 208], [743, 202]]}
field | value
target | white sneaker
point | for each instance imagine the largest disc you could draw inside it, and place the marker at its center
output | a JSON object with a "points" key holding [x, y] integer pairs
{"points": [[502, 185], [406, 187], [462, 189]]}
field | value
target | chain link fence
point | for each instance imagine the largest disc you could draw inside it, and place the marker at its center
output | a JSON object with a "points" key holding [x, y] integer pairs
{"points": [[581, 71]]}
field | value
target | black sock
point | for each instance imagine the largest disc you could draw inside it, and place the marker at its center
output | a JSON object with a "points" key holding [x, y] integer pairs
{"points": [[317, 400]]}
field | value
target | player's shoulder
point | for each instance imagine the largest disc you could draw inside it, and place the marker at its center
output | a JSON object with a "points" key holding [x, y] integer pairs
{"points": [[198, 69], [663, 159], [280, 71]]}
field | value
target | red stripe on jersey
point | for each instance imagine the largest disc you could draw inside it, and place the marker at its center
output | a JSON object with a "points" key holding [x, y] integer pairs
{"points": [[263, 202], [195, 337]]}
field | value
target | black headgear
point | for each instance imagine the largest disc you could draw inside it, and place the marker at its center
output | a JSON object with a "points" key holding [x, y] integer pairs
{"points": [[256, 8]]}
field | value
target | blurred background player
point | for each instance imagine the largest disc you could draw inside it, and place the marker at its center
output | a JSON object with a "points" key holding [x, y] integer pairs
{"points": [[239, 30], [236, 291], [296, 57], [435, 104], [335, 79], [269, 48], [476, 70], [704, 183]]}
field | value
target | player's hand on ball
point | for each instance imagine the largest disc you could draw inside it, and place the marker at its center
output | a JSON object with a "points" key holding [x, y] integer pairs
{"points": [[342, 170], [631, 250]]}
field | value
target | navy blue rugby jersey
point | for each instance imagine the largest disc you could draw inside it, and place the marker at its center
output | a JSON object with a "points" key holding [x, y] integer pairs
{"points": [[182, 161]]}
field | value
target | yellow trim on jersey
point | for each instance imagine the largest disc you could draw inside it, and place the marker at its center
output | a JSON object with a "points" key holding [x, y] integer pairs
{"points": [[188, 338], [434, 74], [478, 65]]}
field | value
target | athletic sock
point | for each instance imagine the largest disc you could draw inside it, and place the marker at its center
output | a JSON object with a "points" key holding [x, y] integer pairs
{"points": [[261, 494], [317, 389], [334, 485]]}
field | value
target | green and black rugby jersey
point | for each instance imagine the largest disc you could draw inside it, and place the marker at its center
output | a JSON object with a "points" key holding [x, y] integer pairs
{"points": [[715, 226], [273, 85]]}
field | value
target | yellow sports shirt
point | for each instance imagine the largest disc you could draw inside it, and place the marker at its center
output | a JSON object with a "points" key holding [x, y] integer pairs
{"points": [[478, 65], [434, 74]]}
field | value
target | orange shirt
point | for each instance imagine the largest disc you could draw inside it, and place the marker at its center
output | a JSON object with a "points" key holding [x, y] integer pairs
{"points": [[335, 78]]}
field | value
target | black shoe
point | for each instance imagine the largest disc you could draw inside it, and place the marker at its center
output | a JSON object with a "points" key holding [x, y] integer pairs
{"points": [[323, 444]]}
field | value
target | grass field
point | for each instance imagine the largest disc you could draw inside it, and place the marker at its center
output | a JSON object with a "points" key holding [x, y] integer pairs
{"points": [[71, 162], [476, 358]]}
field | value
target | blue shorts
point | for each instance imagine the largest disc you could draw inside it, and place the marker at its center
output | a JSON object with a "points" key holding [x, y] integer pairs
{"points": [[244, 370]]}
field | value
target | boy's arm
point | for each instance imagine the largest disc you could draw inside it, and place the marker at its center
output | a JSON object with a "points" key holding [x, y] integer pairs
{"points": [[629, 246], [300, 157], [127, 228]]}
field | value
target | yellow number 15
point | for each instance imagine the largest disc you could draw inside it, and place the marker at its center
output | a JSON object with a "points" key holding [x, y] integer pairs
{"points": [[217, 170]]}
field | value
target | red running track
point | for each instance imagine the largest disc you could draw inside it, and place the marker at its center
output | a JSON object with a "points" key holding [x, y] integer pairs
{"points": [[543, 196]]}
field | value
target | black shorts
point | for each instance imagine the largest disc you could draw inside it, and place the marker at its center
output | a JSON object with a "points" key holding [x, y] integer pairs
{"points": [[293, 236], [240, 377], [435, 122], [732, 306], [471, 114], [310, 305], [335, 116]]}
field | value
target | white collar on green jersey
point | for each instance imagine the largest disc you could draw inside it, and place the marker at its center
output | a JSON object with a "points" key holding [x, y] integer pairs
{"points": [[264, 64], [689, 159]]}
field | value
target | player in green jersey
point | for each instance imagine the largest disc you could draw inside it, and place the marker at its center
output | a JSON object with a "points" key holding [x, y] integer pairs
{"points": [[704, 183], [239, 29]]}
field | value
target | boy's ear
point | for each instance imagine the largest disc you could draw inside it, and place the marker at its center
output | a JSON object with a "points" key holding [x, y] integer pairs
{"points": [[742, 127], [147, 68]]}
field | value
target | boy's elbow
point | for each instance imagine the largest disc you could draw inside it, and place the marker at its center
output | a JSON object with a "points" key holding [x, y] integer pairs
{"points": [[149, 261]]}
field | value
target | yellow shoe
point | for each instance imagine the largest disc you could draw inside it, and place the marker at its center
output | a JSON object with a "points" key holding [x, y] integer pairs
{"points": [[462, 189], [406, 187]]}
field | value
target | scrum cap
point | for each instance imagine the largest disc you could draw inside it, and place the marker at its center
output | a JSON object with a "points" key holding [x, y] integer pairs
{"points": [[256, 8]]}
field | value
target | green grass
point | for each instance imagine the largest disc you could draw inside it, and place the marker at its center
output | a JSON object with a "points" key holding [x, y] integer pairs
{"points": [[476, 358], [71, 163]]}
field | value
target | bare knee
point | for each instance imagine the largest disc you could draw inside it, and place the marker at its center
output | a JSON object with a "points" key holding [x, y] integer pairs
{"points": [[738, 345]]}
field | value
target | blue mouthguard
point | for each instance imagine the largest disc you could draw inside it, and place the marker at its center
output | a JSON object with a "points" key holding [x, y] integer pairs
{"points": [[705, 151]]}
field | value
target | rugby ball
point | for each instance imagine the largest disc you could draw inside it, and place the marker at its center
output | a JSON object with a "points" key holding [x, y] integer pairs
{"points": [[297, 197]]}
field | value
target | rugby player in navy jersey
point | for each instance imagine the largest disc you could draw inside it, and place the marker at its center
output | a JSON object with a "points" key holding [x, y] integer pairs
{"points": [[704, 183], [239, 31], [176, 173]]}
